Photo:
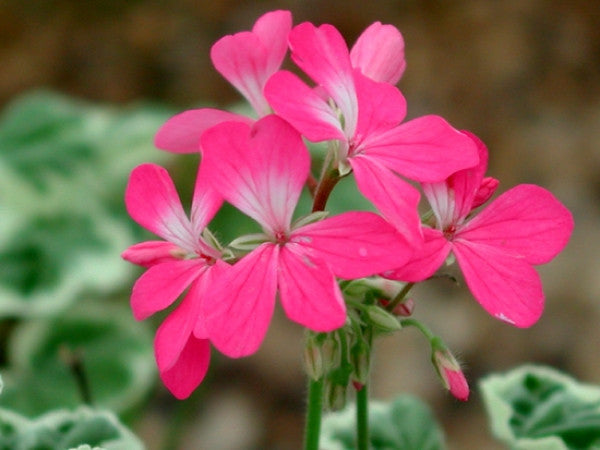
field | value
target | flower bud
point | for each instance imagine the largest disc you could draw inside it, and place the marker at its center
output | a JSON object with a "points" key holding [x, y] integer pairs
{"points": [[382, 319], [360, 363], [313, 360], [335, 396], [405, 308], [450, 373]]}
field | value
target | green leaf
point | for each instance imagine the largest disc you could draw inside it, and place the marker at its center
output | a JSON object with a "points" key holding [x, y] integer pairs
{"points": [[56, 430], [535, 407], [110, 349], [404, 424], [63, 170]]}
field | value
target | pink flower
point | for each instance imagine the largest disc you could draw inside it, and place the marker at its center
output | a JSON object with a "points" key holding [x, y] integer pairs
{"points": [[450, 373], [261, 170], [184, 259], [365, 119], [496, 248], [246, 60]]}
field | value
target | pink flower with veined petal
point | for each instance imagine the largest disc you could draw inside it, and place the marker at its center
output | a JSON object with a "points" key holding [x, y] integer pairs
{"points": [[247, 60], [496, 248], [184, 259], [261, 170], [366, 120]]}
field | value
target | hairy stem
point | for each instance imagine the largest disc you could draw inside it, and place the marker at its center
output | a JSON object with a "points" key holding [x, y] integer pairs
{"points": [[362, 418], [312, 430]]}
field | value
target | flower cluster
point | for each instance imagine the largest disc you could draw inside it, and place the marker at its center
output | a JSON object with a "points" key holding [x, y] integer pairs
{"points": [[313, 264]]}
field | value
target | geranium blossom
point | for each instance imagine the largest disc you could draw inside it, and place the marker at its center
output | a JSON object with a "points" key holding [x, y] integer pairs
{"points": [[261, 170], [497, 247], [184, 259], [366, 120], [247, 60]]}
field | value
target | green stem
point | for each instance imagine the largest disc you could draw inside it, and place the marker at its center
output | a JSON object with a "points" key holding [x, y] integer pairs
{"points": [[419, 326], [400, 297], [362, 418], [312, 429]]}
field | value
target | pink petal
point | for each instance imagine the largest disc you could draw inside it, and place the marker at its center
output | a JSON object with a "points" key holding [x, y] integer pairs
{"points": [[242, 59], [379, 53], [526, 221], [381, 107], [239, 309], [173, 334], [205, 203], [160, 285], [248, 59], [309, 293], [354, 244], [302, 107], [323, 54], [426, 261], [507, 287], [273, 29], [152, 201], [181, 133], [210, 278], [425, 149], [150, 253], [189, 370], [261, 170], [396, 199], [486, 190]]}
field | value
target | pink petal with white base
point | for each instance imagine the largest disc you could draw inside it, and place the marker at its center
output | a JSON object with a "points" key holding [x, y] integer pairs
{"points": [[526, 221], [396, 199], [261, 170], [508, 288], [323, 54], [152, 201], [150, 253], [379, 53], [160, 285], [354, 244], [308, 290], [189, 370], [425, 149], [426, 261], [302, 107], [181, 133], [451, 208], [240, 307]]}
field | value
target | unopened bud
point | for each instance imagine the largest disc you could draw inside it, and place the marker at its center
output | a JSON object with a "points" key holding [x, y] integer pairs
{"points": [[382, 319], [360, 362], [335, 396], [405, 308], [450, 372], [313, 360]]}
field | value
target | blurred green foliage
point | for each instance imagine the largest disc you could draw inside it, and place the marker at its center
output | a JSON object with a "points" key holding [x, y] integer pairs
{"points": [[405, 423], [540, 408]]}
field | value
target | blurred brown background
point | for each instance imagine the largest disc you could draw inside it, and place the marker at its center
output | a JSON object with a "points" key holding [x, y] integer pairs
{"points": [[523, 75]]}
